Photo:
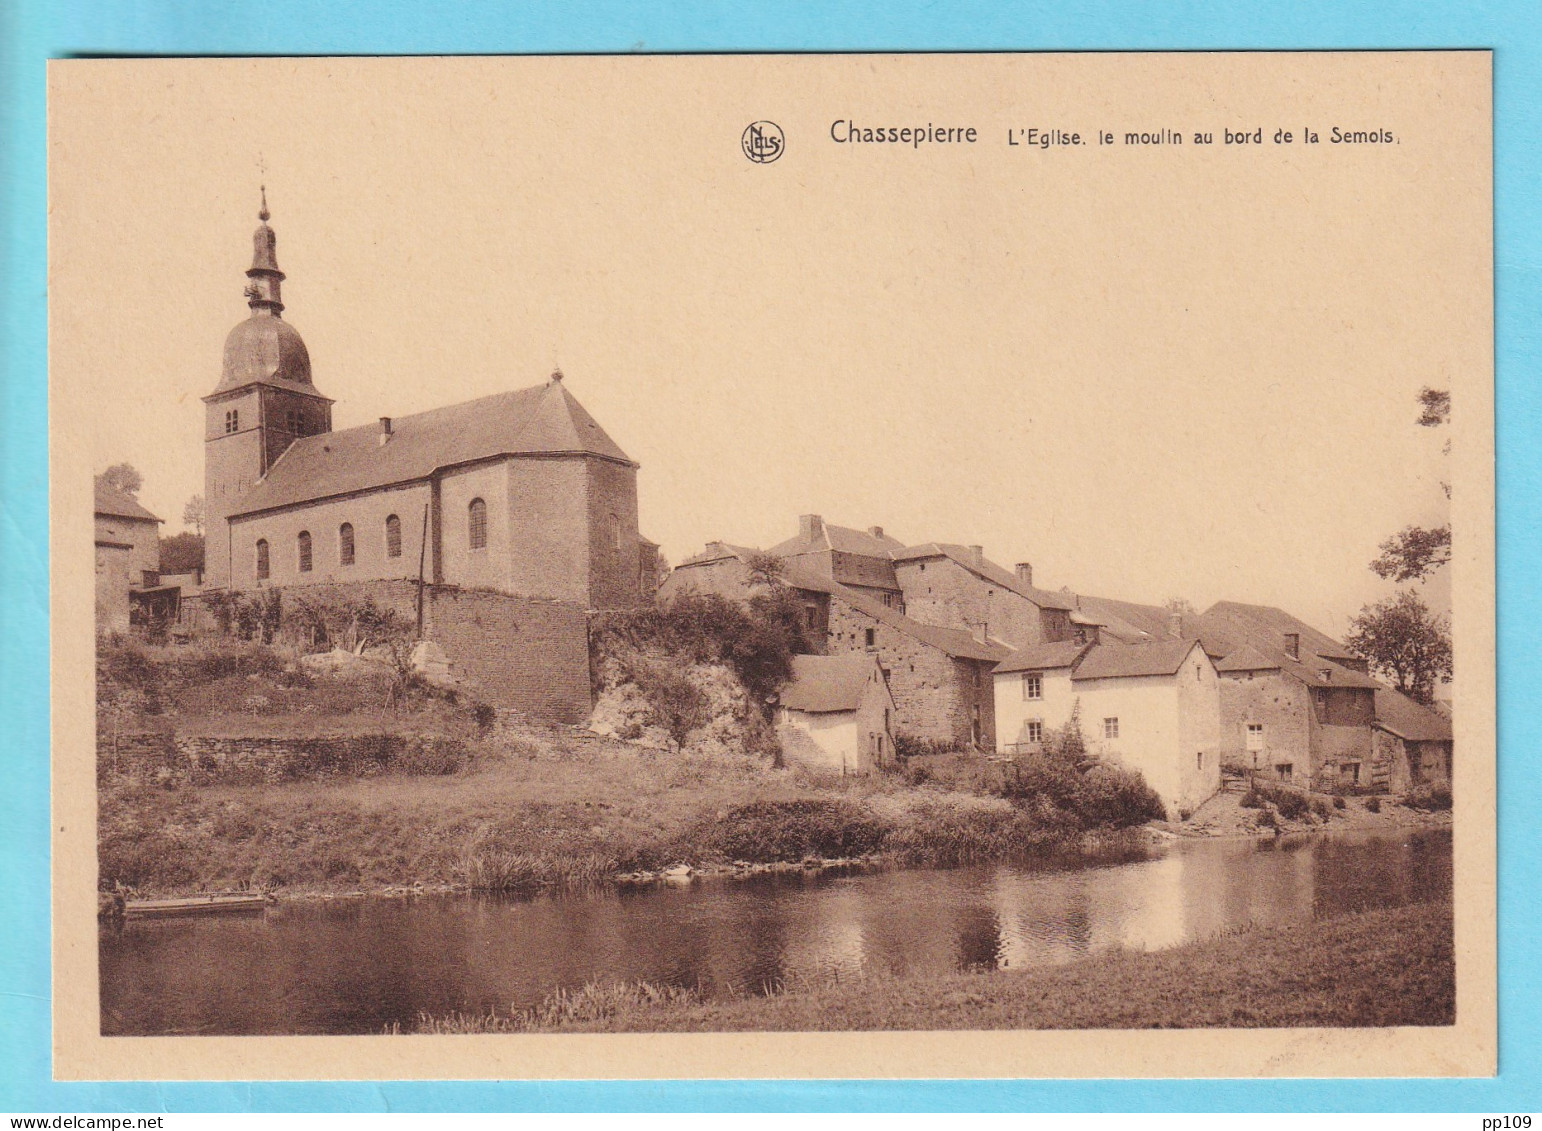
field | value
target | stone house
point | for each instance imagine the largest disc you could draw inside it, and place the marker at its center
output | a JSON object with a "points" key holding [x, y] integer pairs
{"points": [[837, 713], [1412, 741], [959, 587], [129, 587], [1151, 707], [1295, 705], [939, 677], [858, 559]]}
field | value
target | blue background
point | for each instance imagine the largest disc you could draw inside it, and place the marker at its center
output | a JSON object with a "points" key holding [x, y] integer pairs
{"points": [[32, 30]]}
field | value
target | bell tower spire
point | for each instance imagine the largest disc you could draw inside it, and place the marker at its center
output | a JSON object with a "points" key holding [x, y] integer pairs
{"points": [[263, 293]]}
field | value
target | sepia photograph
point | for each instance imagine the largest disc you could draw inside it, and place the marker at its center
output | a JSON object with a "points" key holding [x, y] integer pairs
{"points": [[930, 564]]}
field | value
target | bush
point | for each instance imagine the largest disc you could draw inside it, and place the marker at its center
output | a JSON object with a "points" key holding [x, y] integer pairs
{"points": [[770, 831], [1321, 808], [757, 642], [1291, 804], [1430, 797], [1373, 805], [675, 703], [1097, 796], [1339, 803]]}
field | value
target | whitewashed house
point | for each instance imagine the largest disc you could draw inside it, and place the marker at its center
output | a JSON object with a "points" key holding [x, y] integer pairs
{"points": [[1153, 707], [837, 713]]}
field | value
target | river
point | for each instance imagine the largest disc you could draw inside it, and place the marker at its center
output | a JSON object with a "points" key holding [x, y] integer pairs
{"points": [[358, 965]]}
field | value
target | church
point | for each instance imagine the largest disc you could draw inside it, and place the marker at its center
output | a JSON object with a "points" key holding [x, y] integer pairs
{"points": [[520, 492], [501, 523]]}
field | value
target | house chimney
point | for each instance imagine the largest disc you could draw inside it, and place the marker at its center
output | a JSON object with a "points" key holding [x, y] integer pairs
{"points": [[1293, 645], [1025, 572], [810, 527], [876, 531], [1175, 625], [385, 430], [977, 556]]}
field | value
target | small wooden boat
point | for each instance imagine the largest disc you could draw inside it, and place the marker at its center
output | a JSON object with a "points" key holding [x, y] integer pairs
{"points": [[208, 904]]}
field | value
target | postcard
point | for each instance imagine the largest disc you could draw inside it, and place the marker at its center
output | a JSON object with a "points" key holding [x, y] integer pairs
{"points": [[867, 565]]}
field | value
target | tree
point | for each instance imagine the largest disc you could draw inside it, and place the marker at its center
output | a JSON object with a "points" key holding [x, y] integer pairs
{"points": [[122, 477], [1405, 643], [193, 514], [674, 701], [1180, 605], [1413, 553], [1416, 552], [765, 569], [182, 553]]}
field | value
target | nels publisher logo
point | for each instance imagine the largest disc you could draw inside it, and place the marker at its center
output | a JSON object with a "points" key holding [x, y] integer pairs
{"points": [[763, 142]]}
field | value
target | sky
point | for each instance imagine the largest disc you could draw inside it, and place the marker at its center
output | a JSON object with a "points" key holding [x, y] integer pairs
{"points": [[1151, 372]]}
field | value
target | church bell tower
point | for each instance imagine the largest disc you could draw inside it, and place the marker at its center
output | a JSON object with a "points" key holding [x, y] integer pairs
{"points": [[265, 401]]}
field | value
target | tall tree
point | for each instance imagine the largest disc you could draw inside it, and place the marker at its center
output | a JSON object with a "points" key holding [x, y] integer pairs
{"points": [[1405, 643], [193, 514], [1414, 553], [123, 477]]}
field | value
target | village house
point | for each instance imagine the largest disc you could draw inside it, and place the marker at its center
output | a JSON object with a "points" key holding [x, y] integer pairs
{"points": [[939, 677], [519, 495], [1298, 706], [837, 713], [858, 559], [1151, 707], [129, 587], [959, 587]]}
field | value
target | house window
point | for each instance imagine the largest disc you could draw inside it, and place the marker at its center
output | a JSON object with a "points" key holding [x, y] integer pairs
{"points": [[1034, 730], [1111, 727], [233, 420], [1322, 698], [1255, 736], [393, 536], [1033, 685], [345, 544], [1284, 770], [292, 420], [476, 524], [303, 544], [1199, 760], [262, 559], [870, 636], [1351, 772]]}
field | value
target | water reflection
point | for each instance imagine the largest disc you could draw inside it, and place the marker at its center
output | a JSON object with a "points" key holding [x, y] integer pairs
{"points": [[352, 967]]}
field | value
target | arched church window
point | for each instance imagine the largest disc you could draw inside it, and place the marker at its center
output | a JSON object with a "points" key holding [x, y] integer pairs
{"points": [[615, 533], [262, 559], [393, 536], [345, 543], [232, 420], [303, 544], [476, 528]]}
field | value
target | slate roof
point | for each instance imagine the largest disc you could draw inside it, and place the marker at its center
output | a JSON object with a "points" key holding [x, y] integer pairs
{"points": [[1128, 621], [118, 504], [1043, 657], [1408, 720], [717, 552], [1115, 661], [828, 683], [1227, 626], [987, 569], [541, 420], [954, 641], [842, 539], [1246, 659]]}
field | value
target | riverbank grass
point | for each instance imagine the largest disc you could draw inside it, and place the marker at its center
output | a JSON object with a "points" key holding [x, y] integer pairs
{"points": [[1390, 967]]}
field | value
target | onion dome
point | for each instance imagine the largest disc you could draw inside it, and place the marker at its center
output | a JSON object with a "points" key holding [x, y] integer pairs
{"points": [[264, 348]]}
